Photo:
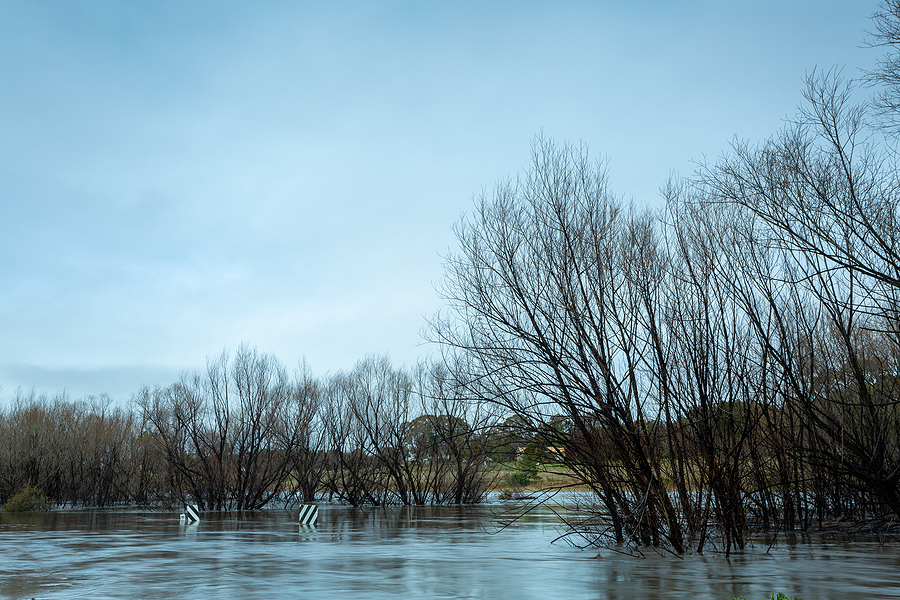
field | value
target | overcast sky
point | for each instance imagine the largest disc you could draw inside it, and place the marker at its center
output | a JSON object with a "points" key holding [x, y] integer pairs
{"points": [[180, 177]]}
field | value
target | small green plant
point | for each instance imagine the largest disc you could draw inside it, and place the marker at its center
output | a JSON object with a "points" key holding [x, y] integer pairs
{"points": [[525, 473], [518, 479], [29, 498]]}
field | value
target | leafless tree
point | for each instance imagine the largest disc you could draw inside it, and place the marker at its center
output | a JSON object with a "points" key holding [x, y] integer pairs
{"points": [[450, 438], [819, 227], [78, 452], [553, 296], [229, 436], [886, 75], [402, 438], [305, 432]]}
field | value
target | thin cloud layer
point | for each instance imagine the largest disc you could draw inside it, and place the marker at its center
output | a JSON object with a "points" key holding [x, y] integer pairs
{"points": [[176, 178]]}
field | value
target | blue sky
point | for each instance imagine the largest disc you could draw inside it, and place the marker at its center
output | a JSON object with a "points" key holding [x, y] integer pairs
{"points": [[180, 177]]}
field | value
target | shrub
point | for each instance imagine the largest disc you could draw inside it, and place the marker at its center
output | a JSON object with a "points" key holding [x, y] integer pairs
{"points": [[518, 479], [525, 474], [28, 499]]}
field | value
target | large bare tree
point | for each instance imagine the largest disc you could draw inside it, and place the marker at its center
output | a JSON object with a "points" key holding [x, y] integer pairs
{"points": [[229, 435], [553, 296]]}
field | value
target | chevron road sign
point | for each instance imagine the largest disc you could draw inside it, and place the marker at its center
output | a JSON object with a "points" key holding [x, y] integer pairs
{"points": [[308, 514], [191, 513]]}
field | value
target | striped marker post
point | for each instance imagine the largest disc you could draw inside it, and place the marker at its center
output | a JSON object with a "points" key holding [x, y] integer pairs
{"points": [[309, 513], [191, 513]]}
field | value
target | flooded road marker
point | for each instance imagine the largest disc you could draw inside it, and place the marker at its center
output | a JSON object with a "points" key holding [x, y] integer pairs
{"points": [[308, 514], [191, 513]]}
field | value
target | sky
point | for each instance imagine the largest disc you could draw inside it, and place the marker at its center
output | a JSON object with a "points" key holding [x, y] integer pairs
{"points": [[178, 178]]}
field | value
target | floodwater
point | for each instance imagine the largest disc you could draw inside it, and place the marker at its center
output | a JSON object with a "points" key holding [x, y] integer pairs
{"points": [[397, 553]]}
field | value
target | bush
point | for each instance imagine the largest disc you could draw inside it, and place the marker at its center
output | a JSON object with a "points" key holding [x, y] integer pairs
{"points": [[525, 473], [28, 499], [518, 479]]}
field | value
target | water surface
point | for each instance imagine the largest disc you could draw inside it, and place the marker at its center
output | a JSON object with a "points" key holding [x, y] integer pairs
{"points": [[441, 552]]}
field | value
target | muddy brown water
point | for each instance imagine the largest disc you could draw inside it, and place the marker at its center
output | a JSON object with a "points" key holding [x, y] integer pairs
{"points": [[395, 553]]}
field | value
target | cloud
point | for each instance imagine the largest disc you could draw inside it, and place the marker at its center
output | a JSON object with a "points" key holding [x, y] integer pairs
{"points": [[180, 177]]}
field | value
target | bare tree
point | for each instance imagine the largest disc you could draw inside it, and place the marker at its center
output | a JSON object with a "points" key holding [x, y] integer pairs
{"points": [[304, 430], [886, 76], [78, 452], [450, 439], [229, 436], [553, 297], [819, 224], [402, 438]]}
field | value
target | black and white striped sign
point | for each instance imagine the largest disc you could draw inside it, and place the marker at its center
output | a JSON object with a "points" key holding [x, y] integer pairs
{"points": [[308, 514], [191, 513]]}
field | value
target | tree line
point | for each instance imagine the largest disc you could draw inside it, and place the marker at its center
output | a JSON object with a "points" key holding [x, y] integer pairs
{"points": [[244, 433]]}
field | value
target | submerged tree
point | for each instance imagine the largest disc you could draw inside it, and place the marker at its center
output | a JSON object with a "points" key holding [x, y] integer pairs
{"points": [[401, 438], [819, 274], [554, 300], [230, 436], [738, 360]]}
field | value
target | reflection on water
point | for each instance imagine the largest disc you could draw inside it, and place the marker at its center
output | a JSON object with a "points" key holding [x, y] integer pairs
{"points": [[440, 552]]}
